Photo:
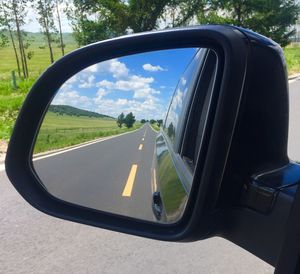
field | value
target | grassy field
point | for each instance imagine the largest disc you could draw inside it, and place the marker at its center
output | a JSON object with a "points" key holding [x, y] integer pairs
{"points": [[10, 99], [40, 60], [59, 131], [292, 56]]}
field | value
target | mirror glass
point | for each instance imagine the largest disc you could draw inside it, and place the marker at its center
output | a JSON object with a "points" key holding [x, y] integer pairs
{"points": [[115, 136]]}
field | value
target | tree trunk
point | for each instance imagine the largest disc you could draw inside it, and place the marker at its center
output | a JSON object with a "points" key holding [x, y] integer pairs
{"points": [[238, 11], [20, 42], [15, 51], [25, 59], [13, 43], [60, 32], [50, 46], [48, 36]]}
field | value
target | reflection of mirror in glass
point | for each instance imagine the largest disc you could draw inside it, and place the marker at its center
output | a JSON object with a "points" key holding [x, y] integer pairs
{"points": [[100, 144]]}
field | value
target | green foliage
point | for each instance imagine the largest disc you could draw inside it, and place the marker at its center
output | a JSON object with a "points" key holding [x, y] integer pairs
{"points": [[10, 103], [292, 57], [30, 54], [9, 109], [96, 20], [129, 120], [120, 120], [143, 121], [145, 13], [3, 40], [274, 19], [160, 122]]}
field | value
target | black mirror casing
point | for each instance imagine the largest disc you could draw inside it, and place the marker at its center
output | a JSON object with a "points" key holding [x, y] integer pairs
{"points": [[202, 217]]}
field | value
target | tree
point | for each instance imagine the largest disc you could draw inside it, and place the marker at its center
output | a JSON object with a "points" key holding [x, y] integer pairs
{"points": [[143, 121], [61, 41], [152, 121], [44, 9], [160, 122], [274, 19], [120, 120], [4, 22], [14, 14], [181, 13], [171, 131], [95, 20], [129, 120]]}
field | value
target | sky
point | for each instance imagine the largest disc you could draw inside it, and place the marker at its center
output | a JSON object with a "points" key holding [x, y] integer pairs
{"points": [[142, 84], [33, 26]]}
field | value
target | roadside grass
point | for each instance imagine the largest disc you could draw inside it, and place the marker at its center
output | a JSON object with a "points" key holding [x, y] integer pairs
{"points": [[60, 131], [292, 56], [155, 126]]}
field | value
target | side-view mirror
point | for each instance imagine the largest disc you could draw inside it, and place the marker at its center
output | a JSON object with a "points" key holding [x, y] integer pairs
{"points": [[175, 135]]}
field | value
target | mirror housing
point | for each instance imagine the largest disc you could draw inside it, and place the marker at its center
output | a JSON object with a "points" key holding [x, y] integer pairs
{"points": [[209, 200]]}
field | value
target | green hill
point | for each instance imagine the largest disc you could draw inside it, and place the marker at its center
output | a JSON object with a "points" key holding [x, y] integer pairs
{"points": [[68, 110]]}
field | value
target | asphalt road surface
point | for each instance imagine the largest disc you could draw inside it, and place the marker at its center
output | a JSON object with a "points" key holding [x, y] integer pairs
{"points": [[32, 242], [113, 175]]}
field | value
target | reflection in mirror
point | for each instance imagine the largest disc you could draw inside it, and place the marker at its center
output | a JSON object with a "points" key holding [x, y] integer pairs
{"points": [[110, 139]]}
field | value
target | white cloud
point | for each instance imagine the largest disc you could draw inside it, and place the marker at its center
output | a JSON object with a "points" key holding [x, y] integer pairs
{"points": [[99, 95], [113, 66], [149, 67], [140, 86], [149, 108], [122, 102], [87, 83], [117, 68], [106, 84]]}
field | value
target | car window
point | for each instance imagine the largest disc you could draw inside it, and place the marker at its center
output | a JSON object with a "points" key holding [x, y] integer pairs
{"points": [[199, 109], [178, 105]]}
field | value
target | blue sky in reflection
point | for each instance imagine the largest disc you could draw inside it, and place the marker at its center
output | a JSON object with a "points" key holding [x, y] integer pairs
{"points": [[140, 83]]}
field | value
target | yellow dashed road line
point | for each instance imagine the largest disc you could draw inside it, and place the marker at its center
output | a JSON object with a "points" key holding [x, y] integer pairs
{"points": [[154, 180], [130, 181], [141, 147]]}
